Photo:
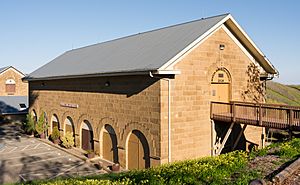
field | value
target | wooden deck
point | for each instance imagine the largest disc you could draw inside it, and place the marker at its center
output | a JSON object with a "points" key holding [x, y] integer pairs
{"points": [[264, 115]]}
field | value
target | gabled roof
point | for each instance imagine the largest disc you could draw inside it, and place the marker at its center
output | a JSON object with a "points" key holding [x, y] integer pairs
{"points": [[3, 69], [139, 53]]}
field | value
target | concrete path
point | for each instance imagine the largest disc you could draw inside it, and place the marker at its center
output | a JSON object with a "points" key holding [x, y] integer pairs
{"points": [[24, 159]]}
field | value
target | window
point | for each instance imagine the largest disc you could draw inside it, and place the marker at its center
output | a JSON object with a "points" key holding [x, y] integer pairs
{"points": [[10, 86]]}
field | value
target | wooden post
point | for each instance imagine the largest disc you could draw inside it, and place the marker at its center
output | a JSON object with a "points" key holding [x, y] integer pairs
{"points": [[213, 138], [225, 139], [260, 115], [233, 112], [291, 122], [211, 110]]}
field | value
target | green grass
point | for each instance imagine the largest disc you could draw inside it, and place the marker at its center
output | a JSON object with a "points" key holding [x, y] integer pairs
{"points": [[283, 94], [230, 168]]}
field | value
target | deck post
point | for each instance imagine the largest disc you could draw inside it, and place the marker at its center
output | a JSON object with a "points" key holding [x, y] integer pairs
{"points": [[260, 115], [225, 139], [211, 110], [291, 121], [213, 138], [233, 112]]}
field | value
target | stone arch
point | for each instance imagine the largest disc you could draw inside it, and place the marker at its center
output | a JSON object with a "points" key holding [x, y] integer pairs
{"points": [[144, 129], [214, 67], [137, 151], [86, 135], [109, 144], [79, 121], [70, 115]]}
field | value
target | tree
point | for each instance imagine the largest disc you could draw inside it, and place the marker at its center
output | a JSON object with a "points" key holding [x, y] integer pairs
{"points": [[41, 125], [29, 125]]}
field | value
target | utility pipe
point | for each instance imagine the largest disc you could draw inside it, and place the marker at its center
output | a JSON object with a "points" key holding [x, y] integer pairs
{"points": [[169, 114]]}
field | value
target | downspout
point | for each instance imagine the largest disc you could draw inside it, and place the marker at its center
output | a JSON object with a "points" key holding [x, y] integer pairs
{"points": [[169, 114]]}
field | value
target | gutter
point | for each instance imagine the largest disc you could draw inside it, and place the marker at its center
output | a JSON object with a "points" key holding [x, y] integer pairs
{"points": [[159, 72]]}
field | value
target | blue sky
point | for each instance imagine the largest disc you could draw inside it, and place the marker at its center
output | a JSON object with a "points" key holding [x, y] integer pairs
{"points": [[33, 32]]}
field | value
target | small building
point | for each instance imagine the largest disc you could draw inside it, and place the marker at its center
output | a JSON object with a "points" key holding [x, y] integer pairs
{"points": [[144, 100], [13, 93]]}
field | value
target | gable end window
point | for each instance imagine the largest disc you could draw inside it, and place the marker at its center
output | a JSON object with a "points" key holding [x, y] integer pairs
{"points": [[10, 86]]}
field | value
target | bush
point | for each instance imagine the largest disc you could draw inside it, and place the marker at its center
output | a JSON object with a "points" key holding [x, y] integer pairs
{"points": [[41, 126], [29, 125], [68, 140], [55, 134], [290, 149]]}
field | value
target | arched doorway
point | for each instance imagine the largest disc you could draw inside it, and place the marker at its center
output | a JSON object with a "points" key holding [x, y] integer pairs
{"points": [[138, 155], [87, 142], [54, 122], [69, 127], [220, 86], [110, 144]]}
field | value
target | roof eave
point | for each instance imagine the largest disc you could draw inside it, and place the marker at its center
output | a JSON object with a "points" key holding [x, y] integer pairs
{"points": [[128, 73], [242, 36]]}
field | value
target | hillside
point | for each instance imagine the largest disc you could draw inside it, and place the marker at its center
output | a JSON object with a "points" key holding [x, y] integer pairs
{"points": [[283, 94]]}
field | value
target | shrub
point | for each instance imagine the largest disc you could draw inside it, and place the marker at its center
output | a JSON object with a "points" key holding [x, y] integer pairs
{"points": [[290, 149], [55, 134], [41, 126], [29, 125], [68, 140]]}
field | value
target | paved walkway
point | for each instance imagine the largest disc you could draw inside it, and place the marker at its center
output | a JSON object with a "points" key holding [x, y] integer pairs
{"points": [[23, 158]]}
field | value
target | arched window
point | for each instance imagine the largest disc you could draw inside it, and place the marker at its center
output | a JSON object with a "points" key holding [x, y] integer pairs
{"points": [[10, 86]]}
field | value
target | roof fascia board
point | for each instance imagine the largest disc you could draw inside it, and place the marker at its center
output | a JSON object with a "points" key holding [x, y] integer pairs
{"points": [[169, 65], [167, 72], [260, 55]]}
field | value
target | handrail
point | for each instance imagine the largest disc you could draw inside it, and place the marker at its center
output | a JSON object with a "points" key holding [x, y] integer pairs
{"points": [[259, 114]]}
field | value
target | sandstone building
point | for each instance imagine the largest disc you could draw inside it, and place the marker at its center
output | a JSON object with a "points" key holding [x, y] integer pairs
{"points": [[144, 100], [13, 91]]}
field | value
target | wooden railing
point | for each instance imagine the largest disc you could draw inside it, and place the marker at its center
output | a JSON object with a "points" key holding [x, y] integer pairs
{"points": [[264, 115]]}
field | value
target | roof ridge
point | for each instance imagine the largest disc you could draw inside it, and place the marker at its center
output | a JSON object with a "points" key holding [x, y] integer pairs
{"points": [[157, 29]]}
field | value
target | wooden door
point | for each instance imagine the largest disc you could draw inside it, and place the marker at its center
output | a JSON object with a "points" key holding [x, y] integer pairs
{"points": [[134, 152], [87, 140], [220, 92], [107, 147]]}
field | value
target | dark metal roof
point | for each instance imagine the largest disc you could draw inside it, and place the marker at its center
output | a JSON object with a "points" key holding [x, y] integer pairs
{"points": [[140, 52], [11, 104], [3, 68]]}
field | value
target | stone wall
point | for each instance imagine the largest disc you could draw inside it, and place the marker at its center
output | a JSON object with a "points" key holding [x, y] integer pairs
{"points": [[126, 103]]}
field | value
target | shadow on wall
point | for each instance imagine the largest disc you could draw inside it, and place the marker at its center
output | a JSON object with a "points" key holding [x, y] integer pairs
{"points": [[127, 85]]}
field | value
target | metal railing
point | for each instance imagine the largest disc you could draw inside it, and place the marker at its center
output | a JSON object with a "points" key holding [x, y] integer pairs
{"points": [[258, 114]]}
